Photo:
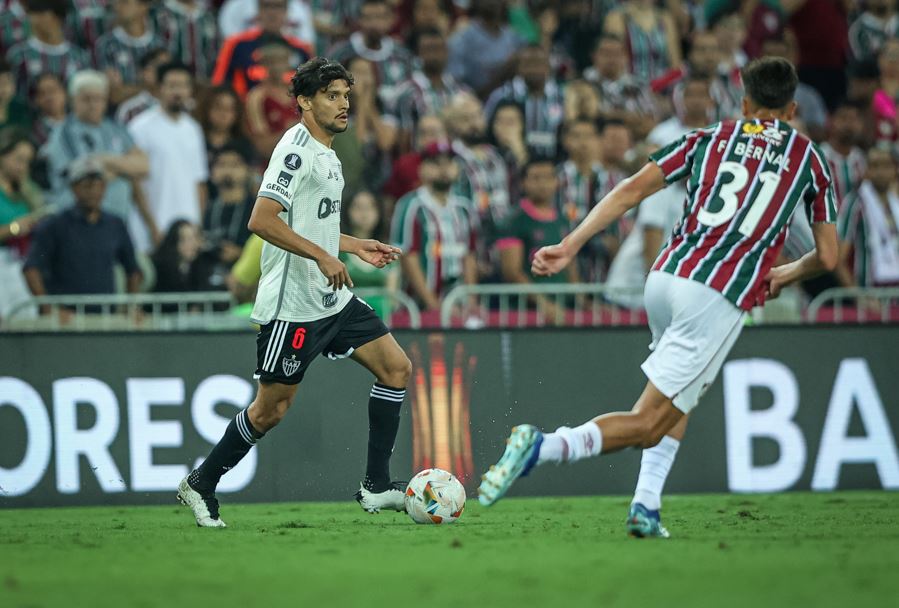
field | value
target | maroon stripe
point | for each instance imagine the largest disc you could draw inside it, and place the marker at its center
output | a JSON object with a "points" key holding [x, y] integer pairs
{"points": [[754, 296]]}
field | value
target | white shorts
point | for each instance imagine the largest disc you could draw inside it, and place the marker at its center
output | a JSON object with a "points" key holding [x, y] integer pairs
{"points": [[693, 329]]}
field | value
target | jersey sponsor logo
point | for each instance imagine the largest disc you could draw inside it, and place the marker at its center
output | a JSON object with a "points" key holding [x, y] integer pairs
{"points": [[326, 207], [329, 300], [293, 161], [284, 178], [271, 187], [291, 365], [768, 133]]}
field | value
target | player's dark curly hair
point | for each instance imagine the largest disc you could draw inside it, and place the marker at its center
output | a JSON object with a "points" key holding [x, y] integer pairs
{"points": [[315, 75], [770, 82]]}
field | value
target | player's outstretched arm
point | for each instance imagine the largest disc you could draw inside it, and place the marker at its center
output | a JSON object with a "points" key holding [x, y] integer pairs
{"points": [[374, 252], [823, 258], [625, 196], [264, 221]]}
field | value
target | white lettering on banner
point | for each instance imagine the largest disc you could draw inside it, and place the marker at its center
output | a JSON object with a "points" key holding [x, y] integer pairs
{"points": [[855, 386], [742, 424], [23, 478], [223, 389], [144, 434], [93, 443]]}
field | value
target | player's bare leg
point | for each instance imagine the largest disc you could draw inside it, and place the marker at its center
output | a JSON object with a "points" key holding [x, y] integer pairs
{"points": [[391, 367], [197, 490], [644, 519], [651, 418]]}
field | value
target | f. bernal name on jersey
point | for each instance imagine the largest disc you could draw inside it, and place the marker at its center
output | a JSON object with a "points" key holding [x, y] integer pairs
{"points": [[754, 152]]}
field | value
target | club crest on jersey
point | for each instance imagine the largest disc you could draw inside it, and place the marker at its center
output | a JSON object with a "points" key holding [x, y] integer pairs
{"points": [[290, 365], [284, 178], [329, 300], [293, 161]]}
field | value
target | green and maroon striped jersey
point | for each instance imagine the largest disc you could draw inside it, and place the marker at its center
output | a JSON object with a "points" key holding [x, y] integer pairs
{"points": [[191, 35], [14, 26], [31, 58], [744, 180]]}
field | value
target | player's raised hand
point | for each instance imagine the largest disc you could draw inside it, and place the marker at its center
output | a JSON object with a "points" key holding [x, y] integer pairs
{"points": [[550, 260], [335, 271], [376, 253]]}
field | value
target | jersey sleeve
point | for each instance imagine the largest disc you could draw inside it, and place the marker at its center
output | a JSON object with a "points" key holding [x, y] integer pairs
{"points": [[820, 199], [676, 159], [289, 165]]}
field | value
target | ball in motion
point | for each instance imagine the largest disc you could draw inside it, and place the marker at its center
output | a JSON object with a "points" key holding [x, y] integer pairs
{"points": [[435, 496]]}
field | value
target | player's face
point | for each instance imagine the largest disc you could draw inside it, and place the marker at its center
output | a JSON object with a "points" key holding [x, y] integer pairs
{"points": [[330, 107], [540, 183], [90, 105]]}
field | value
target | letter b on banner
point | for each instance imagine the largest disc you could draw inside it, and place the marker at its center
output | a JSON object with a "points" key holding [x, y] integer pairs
{"points": [[744, 424]]}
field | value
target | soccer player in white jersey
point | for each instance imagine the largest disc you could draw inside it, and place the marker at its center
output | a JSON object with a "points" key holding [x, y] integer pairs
{"points": [[303, 305], [744, 180]]}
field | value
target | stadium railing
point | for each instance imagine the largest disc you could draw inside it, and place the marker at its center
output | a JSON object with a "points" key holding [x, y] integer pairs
{"points": [[855, 305], [573, 305]]}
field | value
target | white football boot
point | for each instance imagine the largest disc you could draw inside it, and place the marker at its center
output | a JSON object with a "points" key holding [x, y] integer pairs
{"points": [[205, 508]]}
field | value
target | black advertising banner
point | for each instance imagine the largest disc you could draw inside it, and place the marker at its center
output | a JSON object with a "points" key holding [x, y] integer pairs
{"points": [[120, 418]]}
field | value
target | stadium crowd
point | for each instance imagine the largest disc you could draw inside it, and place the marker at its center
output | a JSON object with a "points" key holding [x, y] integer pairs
{"points": [[134, 133]]}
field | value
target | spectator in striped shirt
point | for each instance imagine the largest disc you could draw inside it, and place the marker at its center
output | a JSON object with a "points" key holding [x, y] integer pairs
{"points": [[88, 132], [14, 26], [429, 88], [87, 21], [393, 63], [238, 62], [541, 96], [119, 52], [191, 35], [47, 49], [872, 28], [49, 98], [145, 99], [845, 158]]}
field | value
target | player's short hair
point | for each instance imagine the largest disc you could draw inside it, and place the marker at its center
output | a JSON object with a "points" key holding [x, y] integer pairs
{"points": [[171, 66], [315, 75], [770, 82]]}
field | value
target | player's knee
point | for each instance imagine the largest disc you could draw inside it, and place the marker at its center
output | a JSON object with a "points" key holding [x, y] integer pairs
{"points": [[268, 418], [398, 372], [652, 428]]}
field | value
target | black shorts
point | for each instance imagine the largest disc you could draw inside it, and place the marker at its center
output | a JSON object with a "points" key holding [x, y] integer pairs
{"points": [[285, 349]]}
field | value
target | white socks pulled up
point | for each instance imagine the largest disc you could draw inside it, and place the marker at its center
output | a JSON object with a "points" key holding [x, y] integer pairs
{"points": [[570, 445]]}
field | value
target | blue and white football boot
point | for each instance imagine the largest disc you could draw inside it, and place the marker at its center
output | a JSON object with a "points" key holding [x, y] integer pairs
{"points": [[643, 523], [522, 449]]}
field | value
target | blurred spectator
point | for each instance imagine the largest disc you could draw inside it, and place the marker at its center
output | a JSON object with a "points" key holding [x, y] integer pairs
{"points": [[428, 15], [119, 52], [88, 132], [429, 89], [869, 227], [237, 16], [46, 49], [173, 141], [579, 177], [871, 28], [533, 224], [436, 231], [621, 94], [482, 54], [238, 62], [615, 141], [763, 20], [883, 104], [145, 98], [14, 27], [560, 62], [506, 134], [580, 24], [221, 116], [581, 100], [270, 108], [49, 97], [651, 35], [87, 21], [18, 215], [363, 218], [392, 62], [810, 106], [231, 202], [484, 178], [730, 30], [845, 158], [13, 112], [404, 173], [541, 97], [331, 19], [191, 35], [365, 148], [75, 251], [180, 263], [822, 33]]}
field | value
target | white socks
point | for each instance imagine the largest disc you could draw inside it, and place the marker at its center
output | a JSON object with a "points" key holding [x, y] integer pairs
{"points": [[570, 445], [654, 468]]}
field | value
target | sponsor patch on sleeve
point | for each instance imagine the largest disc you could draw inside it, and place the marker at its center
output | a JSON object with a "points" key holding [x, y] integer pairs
{"points": [[284, 178]]}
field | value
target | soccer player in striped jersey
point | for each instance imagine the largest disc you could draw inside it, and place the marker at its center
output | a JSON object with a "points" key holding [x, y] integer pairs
{"points": [[303, 306], [744, 180]]}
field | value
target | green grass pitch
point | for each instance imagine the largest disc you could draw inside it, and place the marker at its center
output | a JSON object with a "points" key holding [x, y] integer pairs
{"points": [[758, 551]]}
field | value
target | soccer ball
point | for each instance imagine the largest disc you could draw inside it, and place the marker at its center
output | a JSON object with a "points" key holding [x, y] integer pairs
{"points": [[435, 496]]}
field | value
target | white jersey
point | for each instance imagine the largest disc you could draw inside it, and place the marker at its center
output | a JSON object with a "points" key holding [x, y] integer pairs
{"points": [[305, 177]]}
